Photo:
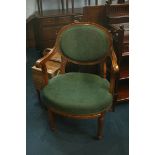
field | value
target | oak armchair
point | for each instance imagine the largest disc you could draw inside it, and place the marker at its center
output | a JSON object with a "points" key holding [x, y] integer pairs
{"points": [[80, 95]]}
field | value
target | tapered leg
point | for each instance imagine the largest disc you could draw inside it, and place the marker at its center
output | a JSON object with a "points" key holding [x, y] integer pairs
{"points": [[51, 120], [39, 98], [100, 126]]}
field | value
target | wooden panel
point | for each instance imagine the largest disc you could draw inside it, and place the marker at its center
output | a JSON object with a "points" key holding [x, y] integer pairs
{"points": [[65, 20], [125, 50], [124, 67], [117, 13], [126, 37], [49, 32], [46, 44], [94, 14], [117, 9], [124, 72], [117, 19], [48, 21], [30, 38], [123, 90]]}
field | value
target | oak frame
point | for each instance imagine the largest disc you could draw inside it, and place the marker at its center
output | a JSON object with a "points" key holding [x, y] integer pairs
{"points": [[114, 72]]}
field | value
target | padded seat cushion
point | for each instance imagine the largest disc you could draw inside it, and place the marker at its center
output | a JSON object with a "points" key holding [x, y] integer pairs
{"points": [[77, 93]]}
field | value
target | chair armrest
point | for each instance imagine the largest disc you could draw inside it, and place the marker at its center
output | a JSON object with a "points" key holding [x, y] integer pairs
{"points": [[115, 67], [45, 58], [41, 63], [114, 72]]}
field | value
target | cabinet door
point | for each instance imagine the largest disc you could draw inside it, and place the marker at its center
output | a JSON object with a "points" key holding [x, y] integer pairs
{"points": [[49, 32], [46, 44], [64, 20]]}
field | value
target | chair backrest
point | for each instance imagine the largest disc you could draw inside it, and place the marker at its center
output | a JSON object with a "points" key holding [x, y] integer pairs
{"points": [[84, 43]]}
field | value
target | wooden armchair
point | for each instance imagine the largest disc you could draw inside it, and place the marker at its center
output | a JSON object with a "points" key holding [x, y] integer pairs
{"points": [[80, 95]]}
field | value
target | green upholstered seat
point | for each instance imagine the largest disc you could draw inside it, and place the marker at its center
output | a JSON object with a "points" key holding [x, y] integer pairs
{"points": [[84, 43], [77, 93]]}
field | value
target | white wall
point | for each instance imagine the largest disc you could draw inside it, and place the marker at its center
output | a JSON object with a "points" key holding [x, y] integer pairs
{"points": [[55, 4], [31, 5]]}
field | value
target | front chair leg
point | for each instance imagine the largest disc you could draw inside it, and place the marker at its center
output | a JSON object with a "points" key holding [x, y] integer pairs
{"points": [[100, 126], [51, 120]]}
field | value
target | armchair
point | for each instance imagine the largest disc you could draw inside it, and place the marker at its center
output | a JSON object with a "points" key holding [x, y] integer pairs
{"points": [[80, 95]]}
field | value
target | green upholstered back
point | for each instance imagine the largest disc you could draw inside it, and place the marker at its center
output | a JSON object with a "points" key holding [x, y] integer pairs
{"points": [[84, 43]]}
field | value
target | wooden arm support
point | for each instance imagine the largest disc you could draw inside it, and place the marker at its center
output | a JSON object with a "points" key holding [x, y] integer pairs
{"points": [[43, 60], [115, 66], [114, 71], [41, 63]]}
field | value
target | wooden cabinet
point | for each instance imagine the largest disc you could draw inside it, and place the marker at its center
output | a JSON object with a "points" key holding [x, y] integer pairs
{"points": [[121, 44], [117, 16], [47, 25]]}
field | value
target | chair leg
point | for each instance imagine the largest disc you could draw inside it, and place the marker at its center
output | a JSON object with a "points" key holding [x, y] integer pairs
{"points": [[100, 126], [51, 120], [39, 98]]}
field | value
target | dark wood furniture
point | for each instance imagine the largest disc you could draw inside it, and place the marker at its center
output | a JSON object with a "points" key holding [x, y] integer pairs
{"points": [[95, 14], [114, 71], [118, 23], [30, 37], [117, 13], [46, 25]]}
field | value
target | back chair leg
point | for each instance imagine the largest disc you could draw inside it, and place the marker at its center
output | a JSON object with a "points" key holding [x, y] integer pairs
{"points": [[51, 120], [100, 126], [39, 98]]}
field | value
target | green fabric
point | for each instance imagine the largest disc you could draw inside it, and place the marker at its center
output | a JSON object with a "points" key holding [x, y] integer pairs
{"points": [[77, 93], [84, 43]]}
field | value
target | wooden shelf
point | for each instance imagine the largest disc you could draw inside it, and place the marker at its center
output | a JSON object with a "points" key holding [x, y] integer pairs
{"points": [[124, 72], [124, 67], [123, 91], [125, 49], [124, 54]]}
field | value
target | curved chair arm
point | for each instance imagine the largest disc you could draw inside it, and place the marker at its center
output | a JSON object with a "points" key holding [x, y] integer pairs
{"points": [[115, 67], [41, 63], [44, 59], [114, 71]]}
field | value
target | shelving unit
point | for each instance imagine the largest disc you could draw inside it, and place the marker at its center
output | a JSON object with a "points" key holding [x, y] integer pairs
{"points": [[118, 23], [123, 93]]}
